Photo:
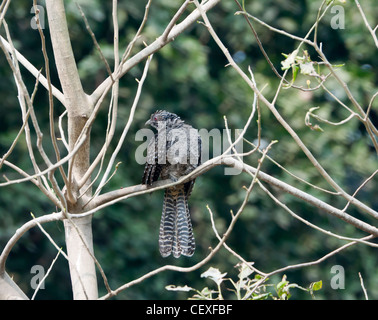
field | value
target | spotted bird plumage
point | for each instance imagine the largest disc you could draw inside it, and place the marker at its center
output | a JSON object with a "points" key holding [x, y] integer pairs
{"points": [[174, 152]]}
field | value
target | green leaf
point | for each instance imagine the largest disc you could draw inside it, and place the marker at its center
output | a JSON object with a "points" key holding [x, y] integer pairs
{"points": [[295, 72], [338, 65], [282, 284], [258, 277], [262, 296], [315, 286], [285, 55]]}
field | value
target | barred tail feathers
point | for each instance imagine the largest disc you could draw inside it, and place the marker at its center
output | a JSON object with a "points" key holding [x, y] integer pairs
{"points": [[176, 232]]}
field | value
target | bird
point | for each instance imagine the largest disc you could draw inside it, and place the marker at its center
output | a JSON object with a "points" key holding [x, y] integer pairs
{"points": [[173, 152]]}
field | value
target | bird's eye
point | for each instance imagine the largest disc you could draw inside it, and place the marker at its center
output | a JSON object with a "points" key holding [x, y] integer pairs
{"points": [[155, 118]]}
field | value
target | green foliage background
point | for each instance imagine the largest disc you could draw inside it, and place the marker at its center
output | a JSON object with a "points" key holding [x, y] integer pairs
{"points": [[188, 77]]}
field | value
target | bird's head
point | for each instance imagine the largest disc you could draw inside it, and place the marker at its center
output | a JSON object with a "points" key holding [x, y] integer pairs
{"points": [[166, 118]]}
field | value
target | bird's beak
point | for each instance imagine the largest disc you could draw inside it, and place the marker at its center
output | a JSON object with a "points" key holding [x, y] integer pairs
{"points": [[148, 122]]}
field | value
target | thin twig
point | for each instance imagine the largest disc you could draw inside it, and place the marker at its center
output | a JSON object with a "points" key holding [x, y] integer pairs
{"points": [[114, 85], [292, 174], [372, 32], [112, 114], [173, 21], [58, 248], [238, 256], [241, 209], [15, 140], [45, 276], [130, 46], [51, 105], [278, 116], [62, 135], [24, 97], [125, 130], [306, 222], [341, 122], [21, 231], [152, 48], [360, 187], [307, 264], [370, 105], [88, 27], [363, 287], [33, 70]]}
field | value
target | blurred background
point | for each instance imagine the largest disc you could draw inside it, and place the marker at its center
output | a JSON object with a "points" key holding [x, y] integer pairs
{"points": [[188, 77]]}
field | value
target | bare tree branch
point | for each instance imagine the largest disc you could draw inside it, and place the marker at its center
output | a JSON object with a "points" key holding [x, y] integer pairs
{"points": [[153, 47], [125, 130], [280, 119], [21, 231], [109, 198], [307, 264], [75, 201], [33, 70]]}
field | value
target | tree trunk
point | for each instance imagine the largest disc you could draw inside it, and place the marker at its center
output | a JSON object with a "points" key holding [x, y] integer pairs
{"points": [[82, 266]]}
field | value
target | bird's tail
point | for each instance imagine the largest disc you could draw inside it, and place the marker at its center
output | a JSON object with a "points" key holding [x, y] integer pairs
{"points": [[176, 233]]}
